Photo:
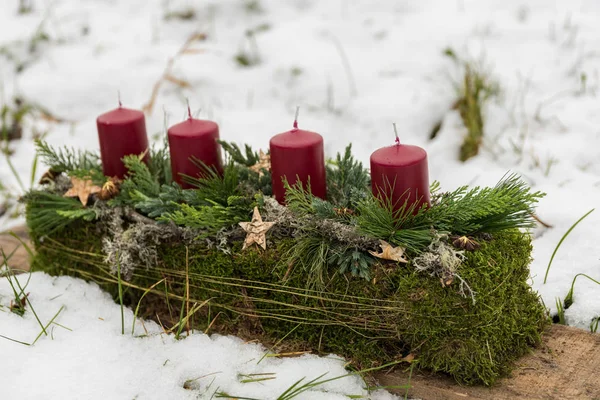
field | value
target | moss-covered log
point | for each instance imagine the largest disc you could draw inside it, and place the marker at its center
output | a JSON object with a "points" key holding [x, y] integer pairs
{"points": [[254, 294]]}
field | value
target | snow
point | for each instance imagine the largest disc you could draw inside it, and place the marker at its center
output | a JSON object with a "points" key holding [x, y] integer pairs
{"points": [[354, 67], [85, 356]]}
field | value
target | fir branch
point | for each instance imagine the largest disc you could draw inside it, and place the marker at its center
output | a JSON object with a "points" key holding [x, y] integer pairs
{"points": [[210, 219], [347, 180], [154, 207], [139, 180], [233, 150], [65, 159]]}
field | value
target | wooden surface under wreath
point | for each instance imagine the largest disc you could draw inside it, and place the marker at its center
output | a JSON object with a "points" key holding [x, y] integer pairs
{"points": [[444, 287]]}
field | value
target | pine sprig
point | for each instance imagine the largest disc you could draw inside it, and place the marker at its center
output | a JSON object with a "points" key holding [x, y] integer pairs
{"points": [[509, 204], [378, 218], [210, 187], [65, 159], [48, 213], [300, 200]]}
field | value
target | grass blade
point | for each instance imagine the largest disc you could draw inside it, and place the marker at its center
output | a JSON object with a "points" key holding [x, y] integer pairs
{"points": [[14, 340], [15, 173], [137, 308], [119, 284], [34, 166], [48, 324], [562, 240]]}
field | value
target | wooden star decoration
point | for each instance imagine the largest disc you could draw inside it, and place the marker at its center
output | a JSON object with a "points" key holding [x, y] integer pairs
{"points": [[256, 230], [82, 188], [388, 252], [264, 162]]}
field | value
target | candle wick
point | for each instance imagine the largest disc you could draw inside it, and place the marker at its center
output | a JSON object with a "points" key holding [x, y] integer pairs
{"points": [[396, 133], [189, 110], [119, 98], [296, 117]]}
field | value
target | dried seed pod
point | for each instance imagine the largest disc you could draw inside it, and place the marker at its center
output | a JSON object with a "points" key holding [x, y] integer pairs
{"points": [[48, 177], [466, 243], [343, 211], [110, 189]]}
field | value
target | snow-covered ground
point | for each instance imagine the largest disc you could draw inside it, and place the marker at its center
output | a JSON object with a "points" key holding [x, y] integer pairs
{"points": [[354, 67], [86, 357]]}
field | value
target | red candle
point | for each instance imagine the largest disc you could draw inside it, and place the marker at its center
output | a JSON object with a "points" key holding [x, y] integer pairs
{"points": [[298, 155], [121, 132], [197, 138], [400, 173]]}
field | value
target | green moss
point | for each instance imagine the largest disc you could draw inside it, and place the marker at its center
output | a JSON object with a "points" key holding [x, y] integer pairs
{"points": [[255, 294]]}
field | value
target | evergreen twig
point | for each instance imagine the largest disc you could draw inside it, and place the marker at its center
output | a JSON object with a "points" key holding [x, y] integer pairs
{"points": [[48, 213], [248, 158], [210, 187], [347, 180], [139, 180], [65, 159]]}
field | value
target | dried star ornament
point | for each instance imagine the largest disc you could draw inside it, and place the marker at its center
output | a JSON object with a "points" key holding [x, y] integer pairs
{"points": [[388, 252], [264, 162], [256, 230], [82, 189]]}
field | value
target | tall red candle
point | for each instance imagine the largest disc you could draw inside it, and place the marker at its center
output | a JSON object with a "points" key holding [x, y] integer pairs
{"points": [[400, 173], [121, 132], [298, 155], [197, 138]]}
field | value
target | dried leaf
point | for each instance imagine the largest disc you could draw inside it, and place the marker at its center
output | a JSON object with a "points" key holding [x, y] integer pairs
{"points": [[388, 252]]}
